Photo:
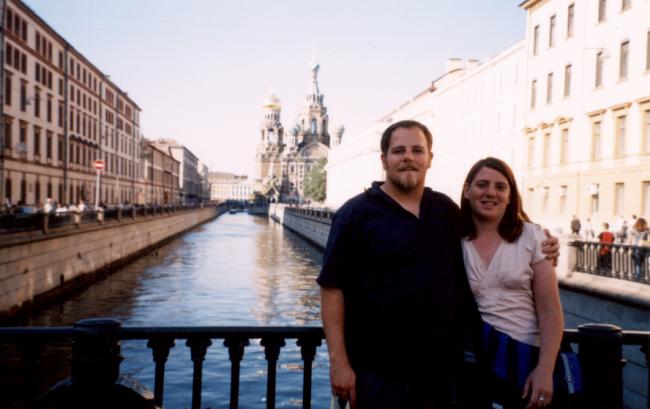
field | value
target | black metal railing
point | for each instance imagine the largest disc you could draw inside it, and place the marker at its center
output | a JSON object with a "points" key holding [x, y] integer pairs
{"points": [[622, 261], [96, 348], [96, 357], [46, 222]]}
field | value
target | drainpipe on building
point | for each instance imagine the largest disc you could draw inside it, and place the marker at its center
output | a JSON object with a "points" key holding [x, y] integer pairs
{"points": [[3, 8]]}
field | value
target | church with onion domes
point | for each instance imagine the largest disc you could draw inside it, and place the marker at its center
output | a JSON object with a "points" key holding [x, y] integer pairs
{"points": [[284, 158]]}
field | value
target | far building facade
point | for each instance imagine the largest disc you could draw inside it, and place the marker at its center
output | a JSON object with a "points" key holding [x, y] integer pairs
{"points": [[285, 157], [568, 108], [161, 172], [189, 179], [228, 186], [60, 113]]}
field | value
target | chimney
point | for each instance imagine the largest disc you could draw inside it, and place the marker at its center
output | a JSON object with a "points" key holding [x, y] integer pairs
{"points": [[454, 64], [471, 64]]}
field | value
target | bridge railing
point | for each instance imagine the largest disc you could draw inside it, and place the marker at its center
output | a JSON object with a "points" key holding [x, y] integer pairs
{"points": [[622, 261], [324, 214], [96, 358]]}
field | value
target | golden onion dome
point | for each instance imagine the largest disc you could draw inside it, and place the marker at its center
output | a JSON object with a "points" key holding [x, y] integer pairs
{"points": [[271, 101]]}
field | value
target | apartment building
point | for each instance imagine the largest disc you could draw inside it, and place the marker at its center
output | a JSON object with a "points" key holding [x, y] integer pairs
{"points": [[61, 113], [587, 111], [568, 107], [162, 176]]}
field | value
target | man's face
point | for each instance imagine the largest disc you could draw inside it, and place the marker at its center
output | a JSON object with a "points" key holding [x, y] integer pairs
{"points": [[407, 159]]}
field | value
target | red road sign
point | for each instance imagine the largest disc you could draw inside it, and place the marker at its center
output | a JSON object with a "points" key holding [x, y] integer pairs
{"points": [[99, 164]]}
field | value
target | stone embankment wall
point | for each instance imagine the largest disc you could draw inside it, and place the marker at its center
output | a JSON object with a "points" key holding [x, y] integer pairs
{"points": [[311, 225], [37, 269]]}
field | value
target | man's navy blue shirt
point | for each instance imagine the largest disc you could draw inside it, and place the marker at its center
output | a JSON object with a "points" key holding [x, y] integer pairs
{"points": [[405, 290]]}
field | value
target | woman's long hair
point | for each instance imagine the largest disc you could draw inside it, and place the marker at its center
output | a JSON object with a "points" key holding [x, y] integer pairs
{"points": [[512, 222]]}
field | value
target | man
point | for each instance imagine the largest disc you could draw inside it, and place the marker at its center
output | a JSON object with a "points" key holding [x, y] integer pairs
{"points": [[575, 225], [396, 303]]}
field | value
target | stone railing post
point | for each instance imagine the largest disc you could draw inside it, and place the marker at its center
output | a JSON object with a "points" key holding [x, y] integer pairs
{"points": [[76, 218], [45, 223], [100, 215], [601, 361], [96, 352]]}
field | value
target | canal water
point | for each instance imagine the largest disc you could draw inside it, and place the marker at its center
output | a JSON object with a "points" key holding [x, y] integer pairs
{"points": [[238, 270]]}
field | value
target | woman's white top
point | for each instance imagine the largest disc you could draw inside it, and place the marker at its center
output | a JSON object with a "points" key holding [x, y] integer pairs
{"points": [[504, 289]]}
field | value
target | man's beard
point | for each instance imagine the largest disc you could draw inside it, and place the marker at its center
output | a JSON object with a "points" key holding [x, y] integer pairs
{"points": [[405, 182]]}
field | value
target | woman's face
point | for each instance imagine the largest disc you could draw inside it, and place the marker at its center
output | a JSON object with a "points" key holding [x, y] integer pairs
{"points": [[488, 194]]}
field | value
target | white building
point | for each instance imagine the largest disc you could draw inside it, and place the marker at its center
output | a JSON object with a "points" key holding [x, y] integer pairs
{"points": [[472, 112], [568, 108], [225, 186], [587, 121]]}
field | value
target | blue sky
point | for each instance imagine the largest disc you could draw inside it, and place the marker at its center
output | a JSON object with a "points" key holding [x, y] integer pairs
{"points": [[199, 69]]}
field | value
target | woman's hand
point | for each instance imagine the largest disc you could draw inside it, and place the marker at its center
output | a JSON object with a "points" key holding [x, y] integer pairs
{"points": [[539, 386]]}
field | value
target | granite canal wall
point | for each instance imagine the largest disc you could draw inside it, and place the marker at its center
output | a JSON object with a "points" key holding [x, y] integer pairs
{"points": [[36, 268]]}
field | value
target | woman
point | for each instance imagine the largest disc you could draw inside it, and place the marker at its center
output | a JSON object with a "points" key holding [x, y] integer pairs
{"points": [[514, 285], [639, 237]]}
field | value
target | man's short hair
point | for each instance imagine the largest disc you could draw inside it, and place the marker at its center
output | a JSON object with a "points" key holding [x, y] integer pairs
{"points": [[388, 133]]}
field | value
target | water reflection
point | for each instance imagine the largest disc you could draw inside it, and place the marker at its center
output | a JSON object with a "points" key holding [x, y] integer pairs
{"points": [[237, 270]]}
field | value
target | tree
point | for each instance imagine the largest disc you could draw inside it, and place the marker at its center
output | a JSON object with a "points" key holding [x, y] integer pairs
{"points": [[316, 182]]}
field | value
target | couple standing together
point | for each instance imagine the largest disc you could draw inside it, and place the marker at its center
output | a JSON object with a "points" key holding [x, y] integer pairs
{"points": [[409, 281]]}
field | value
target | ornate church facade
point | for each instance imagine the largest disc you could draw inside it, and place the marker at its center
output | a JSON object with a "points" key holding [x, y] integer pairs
{"points": [[285, 158]]}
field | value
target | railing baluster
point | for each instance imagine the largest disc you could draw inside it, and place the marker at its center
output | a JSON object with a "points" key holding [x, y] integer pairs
{"points": [[160, 347], [199, 346], [272, 345], [235, 347], [30, 351], [645, 349], [308, 345]]}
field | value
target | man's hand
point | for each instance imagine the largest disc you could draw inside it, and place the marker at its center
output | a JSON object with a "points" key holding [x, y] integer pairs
{"points": [[551, 247], [343, 381]]}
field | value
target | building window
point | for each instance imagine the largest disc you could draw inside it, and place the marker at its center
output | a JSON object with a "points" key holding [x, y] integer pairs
{"points": [[564, 145], [37, 192], [621, 123], [535, 40], [600, 60], [547, 149], [622, 68], [567, 80], [545, 199], [551, 31], [533, 94], [602, 10], [549, 88], [596, 142], [37, 102], [569, 20], [563, 193], [646, 131], [531, 151], [626, 4], [23, 96], [646, 198], [8, 124], [619, 198], [37, 142], [23, 191], [48, 145], [647, 52], [59, 148], [49, 108], [7, 88], [595, 199], [8, 188]]}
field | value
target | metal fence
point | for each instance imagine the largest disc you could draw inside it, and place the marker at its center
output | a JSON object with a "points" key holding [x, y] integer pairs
{"points": [[96, 358], [39, 221], [620, 261]]}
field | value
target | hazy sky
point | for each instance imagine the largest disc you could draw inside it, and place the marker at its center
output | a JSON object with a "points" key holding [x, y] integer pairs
{"points": [[199, 69]]}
